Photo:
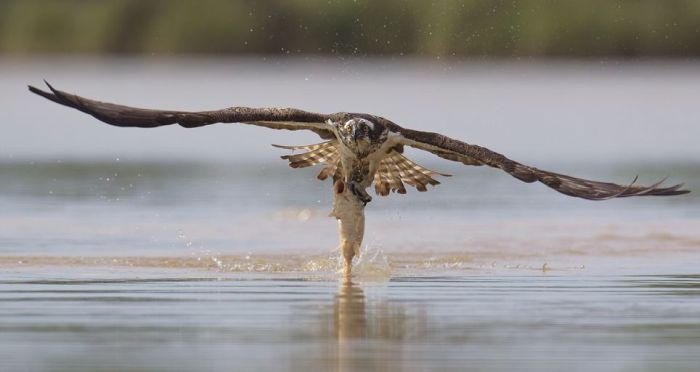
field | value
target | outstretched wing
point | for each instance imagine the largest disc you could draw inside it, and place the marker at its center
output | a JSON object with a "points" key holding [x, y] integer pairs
{"points": [[125, 116], [455, 150]]}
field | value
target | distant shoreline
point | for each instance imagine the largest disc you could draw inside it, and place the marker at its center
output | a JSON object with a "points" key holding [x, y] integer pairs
{"points": [[393, 28]]}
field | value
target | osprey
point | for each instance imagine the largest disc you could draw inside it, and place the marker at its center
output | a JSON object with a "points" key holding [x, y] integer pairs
{"points": [[359, 150]]}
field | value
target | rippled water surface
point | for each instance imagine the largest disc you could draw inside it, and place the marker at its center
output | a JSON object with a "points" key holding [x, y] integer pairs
{"points": [[187, 250], [178, 321]]}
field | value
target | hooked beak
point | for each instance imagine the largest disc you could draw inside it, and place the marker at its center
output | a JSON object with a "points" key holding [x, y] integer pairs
{"points": [[356, 133]]}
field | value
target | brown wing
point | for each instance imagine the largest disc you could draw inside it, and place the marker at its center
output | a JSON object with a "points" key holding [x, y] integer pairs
{"points": [[452, 149], [125, 116]]}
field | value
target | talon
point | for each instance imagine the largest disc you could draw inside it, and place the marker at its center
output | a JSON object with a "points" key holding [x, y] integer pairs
{"points": [[360, 193]]}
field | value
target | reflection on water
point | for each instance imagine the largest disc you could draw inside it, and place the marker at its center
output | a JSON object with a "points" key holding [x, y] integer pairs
{"points": [[360, 333], [349, 312], [143, 320], [364, 330], [350, 325]]}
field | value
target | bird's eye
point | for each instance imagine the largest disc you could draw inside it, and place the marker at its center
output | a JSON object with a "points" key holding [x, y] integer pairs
{"points": [[365, 129]]}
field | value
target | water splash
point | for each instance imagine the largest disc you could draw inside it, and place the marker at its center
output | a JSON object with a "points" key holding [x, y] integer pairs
{"points": [[372, 265]]}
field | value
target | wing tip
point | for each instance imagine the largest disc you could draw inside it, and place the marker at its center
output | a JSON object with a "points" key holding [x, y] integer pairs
{"points": [[284, 147], [36, 90], [671, 190], [54, 94], [653, 190], [53, 90], [48, 95]]}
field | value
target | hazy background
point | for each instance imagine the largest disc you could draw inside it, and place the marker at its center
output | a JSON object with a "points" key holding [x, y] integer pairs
{"points": [[392, 28]]}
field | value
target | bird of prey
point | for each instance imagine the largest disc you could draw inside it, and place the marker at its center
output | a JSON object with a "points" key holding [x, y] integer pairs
{"points": [[358, 150]]}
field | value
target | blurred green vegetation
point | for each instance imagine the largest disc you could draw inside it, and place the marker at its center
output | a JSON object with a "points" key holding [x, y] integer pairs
{"points": [[450, 28]]}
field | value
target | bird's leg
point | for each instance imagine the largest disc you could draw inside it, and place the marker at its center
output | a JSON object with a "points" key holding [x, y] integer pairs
{"points": [[350, 213]]}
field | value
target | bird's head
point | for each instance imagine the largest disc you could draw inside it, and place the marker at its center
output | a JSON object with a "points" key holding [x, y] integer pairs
{"points": [[361, 134]]}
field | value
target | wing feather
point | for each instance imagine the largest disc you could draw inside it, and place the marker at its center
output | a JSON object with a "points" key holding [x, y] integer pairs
{"points": [[382, 177], [395, 169], [126, 116], [325, 152], [395, 179], [456, 150]]}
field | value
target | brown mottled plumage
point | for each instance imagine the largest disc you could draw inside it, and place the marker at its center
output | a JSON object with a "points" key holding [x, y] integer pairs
{"points": [[395, 169], [326, 152], [361, 150], [320, 153]]}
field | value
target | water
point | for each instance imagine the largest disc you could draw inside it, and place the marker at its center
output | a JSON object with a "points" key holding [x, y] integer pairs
{"points": [[187, 250], [112, 320]]}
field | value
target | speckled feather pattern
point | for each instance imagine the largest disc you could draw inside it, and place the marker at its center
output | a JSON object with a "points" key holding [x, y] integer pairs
{"points": [[395, 170]]}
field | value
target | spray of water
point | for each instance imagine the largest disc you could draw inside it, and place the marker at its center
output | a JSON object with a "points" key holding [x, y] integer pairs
{"points": [[372, 265]]}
